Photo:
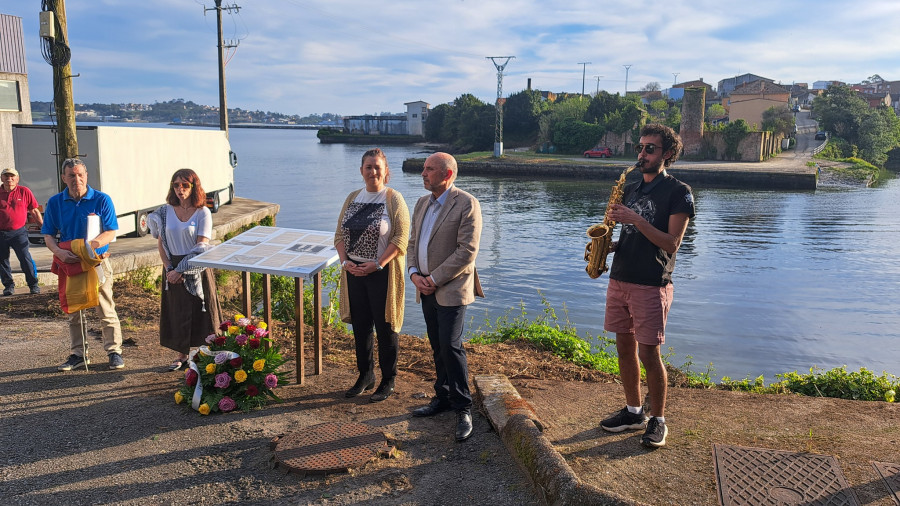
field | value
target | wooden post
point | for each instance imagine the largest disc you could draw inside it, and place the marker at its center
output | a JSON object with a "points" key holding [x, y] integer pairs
{"points": [[223, 107], [298, 317], [317, 319], [267, 305], [245, 287], [66, 140]]}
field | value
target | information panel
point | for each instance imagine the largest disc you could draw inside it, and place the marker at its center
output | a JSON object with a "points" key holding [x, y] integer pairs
{"points": [[272, 250]]}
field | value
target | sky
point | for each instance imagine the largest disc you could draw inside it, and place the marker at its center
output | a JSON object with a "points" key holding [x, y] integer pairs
{"points": [[356, 57]]}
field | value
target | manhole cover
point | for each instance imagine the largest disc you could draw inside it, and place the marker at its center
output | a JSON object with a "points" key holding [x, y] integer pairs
{"points": [[329, 448], [890, 473], [757, 476]]}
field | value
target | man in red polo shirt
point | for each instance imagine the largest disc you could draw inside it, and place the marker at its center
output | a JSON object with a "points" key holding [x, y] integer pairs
{"points": [[16, 204]]}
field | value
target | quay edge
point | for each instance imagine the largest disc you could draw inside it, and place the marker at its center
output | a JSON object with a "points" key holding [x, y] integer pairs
{"points": [[755, 176]]}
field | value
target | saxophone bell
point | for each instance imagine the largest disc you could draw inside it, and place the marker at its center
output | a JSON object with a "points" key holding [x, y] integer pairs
{"points": [[596, 251]]}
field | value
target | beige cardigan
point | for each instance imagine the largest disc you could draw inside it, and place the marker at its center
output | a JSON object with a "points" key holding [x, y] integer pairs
{"points": [[399, 214]]}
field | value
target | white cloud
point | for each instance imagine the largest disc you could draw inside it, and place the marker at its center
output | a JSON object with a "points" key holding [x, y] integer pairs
{"points": [[356, 56]]}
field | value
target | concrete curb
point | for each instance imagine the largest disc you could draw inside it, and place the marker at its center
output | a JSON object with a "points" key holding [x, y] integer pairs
{"points": [[521, 432]]}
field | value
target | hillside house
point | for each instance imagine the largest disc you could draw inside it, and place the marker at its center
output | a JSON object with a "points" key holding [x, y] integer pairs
{"points": [[747, 102], [726, 86]]}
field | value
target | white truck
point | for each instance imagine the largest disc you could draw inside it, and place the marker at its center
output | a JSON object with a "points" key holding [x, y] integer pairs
{"points": [[133, 165]]}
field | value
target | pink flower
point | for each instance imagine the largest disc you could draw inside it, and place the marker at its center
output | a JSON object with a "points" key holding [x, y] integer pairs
{"points": [[252, 391], [210, 338], [243, 322], [190, 377], [236, 362], [260, 333], [254, 343], [271, 381], [227, 404], [220, 358], [223, 380], [241, 339]]}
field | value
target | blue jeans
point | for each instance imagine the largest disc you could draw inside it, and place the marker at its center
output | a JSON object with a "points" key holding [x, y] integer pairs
{"points": [[18, 241]]}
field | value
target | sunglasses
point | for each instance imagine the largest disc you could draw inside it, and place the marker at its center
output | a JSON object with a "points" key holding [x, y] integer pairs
{"points": [[649, 148], [183, 186]]}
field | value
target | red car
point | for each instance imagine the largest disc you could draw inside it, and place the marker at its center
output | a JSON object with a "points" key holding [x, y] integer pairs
{"points": [[598, 153]]}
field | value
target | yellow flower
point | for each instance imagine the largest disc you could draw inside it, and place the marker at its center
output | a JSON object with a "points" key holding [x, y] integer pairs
{"points": [[259, 364], [262, 325], [200, 353], [234, 329], [178, 397], [210, 368], [240, 376], [203, 409], [238, 316]]}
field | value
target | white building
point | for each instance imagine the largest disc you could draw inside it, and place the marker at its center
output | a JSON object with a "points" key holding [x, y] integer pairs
{"points": [[416, 114]]}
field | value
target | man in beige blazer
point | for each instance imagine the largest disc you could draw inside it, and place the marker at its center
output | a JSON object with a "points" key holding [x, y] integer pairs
{"points": [[443, 244]]}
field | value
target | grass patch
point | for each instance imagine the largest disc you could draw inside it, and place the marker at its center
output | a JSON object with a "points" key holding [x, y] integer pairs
{"points": [[547, 334]]}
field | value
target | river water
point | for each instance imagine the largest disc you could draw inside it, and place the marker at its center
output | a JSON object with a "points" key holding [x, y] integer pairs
{"points": [[766, 282]]}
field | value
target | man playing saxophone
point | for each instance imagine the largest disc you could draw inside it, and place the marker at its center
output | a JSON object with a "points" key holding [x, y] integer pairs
{"points": [[654, 215]]}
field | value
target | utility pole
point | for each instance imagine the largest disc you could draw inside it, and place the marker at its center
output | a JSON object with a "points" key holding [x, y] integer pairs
{"points": [[57, 54], [223, 107], [584, 65], [498, 125], [598, 85], [626, 78], [675, 81]]}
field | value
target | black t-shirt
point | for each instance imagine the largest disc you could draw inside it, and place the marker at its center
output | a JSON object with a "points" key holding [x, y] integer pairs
{"points": [[637, 260]]}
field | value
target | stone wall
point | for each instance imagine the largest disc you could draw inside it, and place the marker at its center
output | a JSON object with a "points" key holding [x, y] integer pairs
{"points": [[755, 147]]}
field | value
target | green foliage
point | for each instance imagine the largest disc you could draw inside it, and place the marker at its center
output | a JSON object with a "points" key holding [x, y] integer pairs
{"points": [[467, 124], [690, 378], [546, 333], [573, 137], [733, 133], [284, 300], [755, 385], [778, 119], [715, 111], [147, 278], [859, 170], [862, 385], [845, 114], [521, 114]]}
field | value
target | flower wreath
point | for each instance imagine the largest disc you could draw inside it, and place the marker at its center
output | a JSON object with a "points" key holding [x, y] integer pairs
{"points": [[235, 371]]}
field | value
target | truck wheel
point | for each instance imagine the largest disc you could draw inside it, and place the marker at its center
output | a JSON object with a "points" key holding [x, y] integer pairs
{"points": [[215, 203], [141, 224], [230, 193]]}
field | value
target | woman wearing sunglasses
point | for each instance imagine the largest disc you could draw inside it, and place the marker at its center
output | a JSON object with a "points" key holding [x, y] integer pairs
{"points": [[190, 307], [371, 237]]}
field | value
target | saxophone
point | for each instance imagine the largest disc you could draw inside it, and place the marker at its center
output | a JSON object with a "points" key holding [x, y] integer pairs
{"points": [[596, 251]]}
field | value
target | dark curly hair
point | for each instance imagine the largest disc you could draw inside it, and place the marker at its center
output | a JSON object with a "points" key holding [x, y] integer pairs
{"points": [[198, 196], [671, 141]]}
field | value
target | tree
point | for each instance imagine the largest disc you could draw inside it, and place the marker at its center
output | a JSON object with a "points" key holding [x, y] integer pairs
{"points": [[520, 115], [716, 111], [778, 119], [841, 111], [651, 86]]}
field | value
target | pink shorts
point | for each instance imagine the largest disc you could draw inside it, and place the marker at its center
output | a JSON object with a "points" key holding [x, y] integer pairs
{"points": [[638, 309]]}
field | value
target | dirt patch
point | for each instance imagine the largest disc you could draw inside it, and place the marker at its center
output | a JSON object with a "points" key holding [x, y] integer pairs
{"points": [[118, 437]]}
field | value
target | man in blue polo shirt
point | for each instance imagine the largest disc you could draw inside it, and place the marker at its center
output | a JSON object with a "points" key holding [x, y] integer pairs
{"points": [[66, 214]]}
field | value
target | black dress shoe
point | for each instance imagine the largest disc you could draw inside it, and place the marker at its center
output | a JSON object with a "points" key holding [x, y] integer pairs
{"points": [[463, 425], [385, 389], [364, 382], [432, 408]]}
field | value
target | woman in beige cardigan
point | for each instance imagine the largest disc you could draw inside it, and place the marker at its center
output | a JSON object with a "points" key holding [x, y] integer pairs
{"points": [[371, 237]]}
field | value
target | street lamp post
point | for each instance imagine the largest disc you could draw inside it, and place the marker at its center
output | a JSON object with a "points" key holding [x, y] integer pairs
{"points": [[584, 65], [626, 78]]}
